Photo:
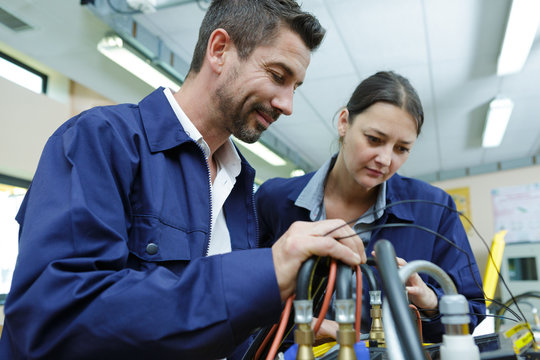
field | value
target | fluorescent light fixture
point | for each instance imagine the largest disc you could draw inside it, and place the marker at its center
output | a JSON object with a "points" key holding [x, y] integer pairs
{"points": [[20, 76], [263, 152], [498, 115], [297, 172], [520, 33], [114, 48], [145, 6]]}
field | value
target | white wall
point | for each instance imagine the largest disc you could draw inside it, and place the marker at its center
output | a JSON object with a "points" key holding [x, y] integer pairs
{"points": [[480, 187], [27, 120]]}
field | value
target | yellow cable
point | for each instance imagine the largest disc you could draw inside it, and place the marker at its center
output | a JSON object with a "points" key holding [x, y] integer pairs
{"points": [[323, 348]]}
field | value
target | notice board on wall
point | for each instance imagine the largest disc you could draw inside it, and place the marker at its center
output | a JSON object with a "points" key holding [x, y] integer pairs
{"points": [[517, 210], [463, 205]]}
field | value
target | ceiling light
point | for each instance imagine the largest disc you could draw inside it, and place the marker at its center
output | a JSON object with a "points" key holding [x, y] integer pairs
{"points": [[297, 172], [263, 152], [519, 36], [144, 6], [498, 115], [114, 48]]}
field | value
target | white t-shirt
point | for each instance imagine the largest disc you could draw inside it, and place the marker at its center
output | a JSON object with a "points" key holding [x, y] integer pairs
{"points": [[228, 168]]}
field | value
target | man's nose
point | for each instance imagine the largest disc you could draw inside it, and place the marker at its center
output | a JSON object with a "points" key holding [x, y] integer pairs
{"points": [[283, 101]]}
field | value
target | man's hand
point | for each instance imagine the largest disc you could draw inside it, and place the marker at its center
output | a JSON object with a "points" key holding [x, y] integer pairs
{"points": [[305, 239]]}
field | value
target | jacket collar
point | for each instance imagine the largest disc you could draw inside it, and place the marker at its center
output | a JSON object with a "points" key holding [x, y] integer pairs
{"points": [[162, 128], [397, 191]]}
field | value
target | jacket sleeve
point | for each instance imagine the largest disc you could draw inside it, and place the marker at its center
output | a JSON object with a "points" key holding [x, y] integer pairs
{"points": [[459, 263], [77, 294]]}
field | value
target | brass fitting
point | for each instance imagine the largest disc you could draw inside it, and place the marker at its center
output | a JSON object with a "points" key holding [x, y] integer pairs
{"points": [[376, 334], [304, 337], [346, 337]]}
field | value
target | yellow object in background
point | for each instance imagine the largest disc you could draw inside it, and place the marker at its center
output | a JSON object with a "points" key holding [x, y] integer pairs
{"points": [[462, 199], [491, 277], [323, 348], [521, 336]]}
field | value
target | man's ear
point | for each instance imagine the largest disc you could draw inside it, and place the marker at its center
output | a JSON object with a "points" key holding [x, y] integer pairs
{"points": [[343, 122], [218, 45]]}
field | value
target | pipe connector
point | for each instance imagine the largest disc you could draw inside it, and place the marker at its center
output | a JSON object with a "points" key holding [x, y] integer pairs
{"points": [[303, 311], [376, 334], [375, 297], [455, 314], [346, 338], [304, 337], [345, 311]]}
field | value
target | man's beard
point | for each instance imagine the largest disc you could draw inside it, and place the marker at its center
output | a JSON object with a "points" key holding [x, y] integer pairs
{"points": [[231, 110]]}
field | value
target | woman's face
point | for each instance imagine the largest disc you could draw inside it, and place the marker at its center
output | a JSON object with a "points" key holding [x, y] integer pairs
{"points": [[376, 143]]}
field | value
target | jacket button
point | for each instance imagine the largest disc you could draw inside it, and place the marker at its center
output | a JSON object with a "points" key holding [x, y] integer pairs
{"points": [[151, 249]]}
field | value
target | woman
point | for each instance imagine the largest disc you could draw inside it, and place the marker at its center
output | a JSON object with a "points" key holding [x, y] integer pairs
{"points": [[377, 131]]}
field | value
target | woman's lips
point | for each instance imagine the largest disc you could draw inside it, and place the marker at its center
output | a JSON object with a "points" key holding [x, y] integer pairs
{"points": [[374, 172]]}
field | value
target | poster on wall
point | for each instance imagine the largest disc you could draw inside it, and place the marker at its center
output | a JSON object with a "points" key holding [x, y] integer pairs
{"points": [[517, 210], [463, 205]]}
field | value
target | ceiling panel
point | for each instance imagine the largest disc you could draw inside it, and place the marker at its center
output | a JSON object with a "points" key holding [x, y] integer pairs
{"points": [[447, 49]]}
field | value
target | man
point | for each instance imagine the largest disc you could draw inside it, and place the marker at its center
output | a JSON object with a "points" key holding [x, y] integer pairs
{"points": [[138, 232]]}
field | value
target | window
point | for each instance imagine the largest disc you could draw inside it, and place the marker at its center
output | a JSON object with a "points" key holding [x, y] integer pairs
{"points": [[12, 191], [22, 74]]}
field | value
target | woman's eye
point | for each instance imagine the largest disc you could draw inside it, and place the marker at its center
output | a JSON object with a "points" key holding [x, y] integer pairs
{"points": [[373, 139], [403, 149]]}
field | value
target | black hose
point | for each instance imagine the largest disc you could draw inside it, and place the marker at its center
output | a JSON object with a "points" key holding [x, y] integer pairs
{"points": [[256, 343], [304, 279], [395, 293], [368, 272], [371, 261], [513, 300], [343, 282]]}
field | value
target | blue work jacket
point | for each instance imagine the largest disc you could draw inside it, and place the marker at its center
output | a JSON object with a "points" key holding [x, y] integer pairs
{"points": [[114, 233], [277, 211]]}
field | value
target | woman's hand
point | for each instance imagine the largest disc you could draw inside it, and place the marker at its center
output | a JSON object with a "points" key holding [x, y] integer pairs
{"points": [[327, 332], [419, 293]]}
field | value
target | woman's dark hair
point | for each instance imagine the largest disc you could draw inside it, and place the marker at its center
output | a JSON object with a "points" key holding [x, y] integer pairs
{"points": [[388, 87], [251, 23]]}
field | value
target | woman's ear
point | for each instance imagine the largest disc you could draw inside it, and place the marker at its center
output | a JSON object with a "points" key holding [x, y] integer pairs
{"points": [[343, 122], [218, 45]]}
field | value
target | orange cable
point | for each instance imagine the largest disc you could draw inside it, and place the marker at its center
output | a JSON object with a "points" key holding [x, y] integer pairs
{"points": [[418, 321], [281, 329], [265, 342], [327, 296]]}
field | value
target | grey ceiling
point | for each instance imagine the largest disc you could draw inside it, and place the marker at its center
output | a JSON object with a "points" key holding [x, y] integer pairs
{"points": [[447, 48]]}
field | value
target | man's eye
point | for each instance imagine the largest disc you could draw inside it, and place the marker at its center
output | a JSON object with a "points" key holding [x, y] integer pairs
{"points": [[277, 78], [373, 139]]}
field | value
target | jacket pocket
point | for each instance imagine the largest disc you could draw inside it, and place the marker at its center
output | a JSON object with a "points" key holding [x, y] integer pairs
{"points": [[152, 240]]}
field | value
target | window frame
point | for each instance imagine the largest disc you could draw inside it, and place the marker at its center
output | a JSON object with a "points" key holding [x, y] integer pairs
{"points": [[28, 68], [17, 182]]}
